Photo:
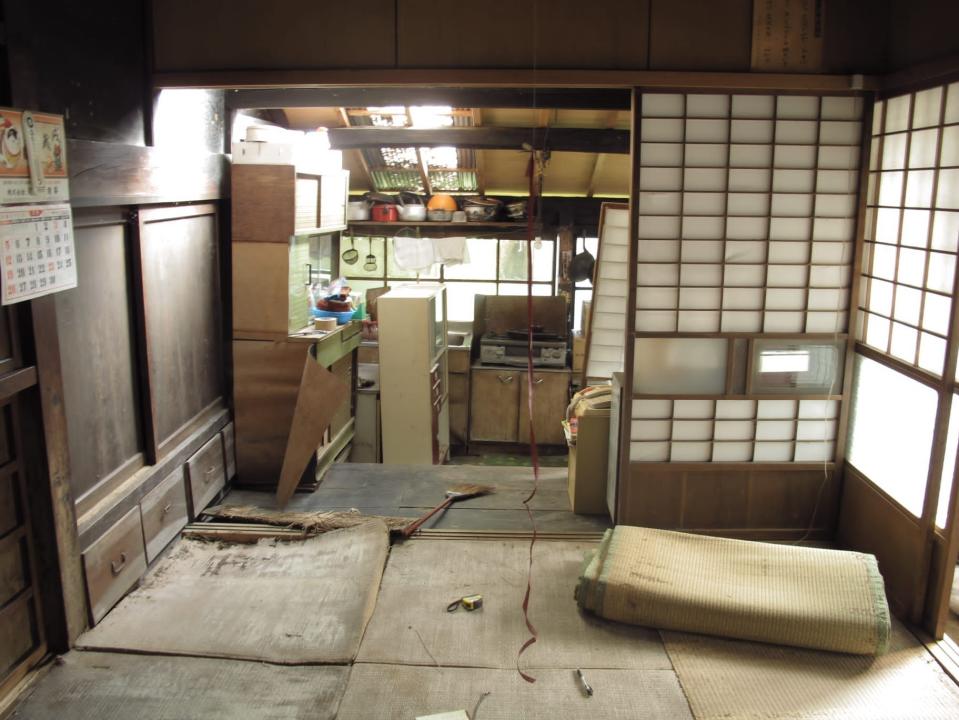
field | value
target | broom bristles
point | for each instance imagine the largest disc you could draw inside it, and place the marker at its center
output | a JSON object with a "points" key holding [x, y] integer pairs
{"points": [[469, 490]]}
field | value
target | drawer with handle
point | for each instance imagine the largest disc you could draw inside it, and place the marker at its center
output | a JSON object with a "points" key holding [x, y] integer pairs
{"points": [[206, 473], [163, 512], [113, 564]]}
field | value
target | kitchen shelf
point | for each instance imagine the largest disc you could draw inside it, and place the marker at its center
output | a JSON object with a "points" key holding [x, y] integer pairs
{"points": [[445, 229], [319, 230]]}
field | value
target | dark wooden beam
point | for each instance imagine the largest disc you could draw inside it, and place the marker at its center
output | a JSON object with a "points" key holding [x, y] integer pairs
{"points": [[114, 174], [484, 138], [558, 98]]}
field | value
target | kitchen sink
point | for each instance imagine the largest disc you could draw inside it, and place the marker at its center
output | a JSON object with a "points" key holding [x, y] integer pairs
{"points": [[455, 339]]}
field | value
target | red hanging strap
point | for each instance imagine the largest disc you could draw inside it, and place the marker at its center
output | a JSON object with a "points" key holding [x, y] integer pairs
{"points": [[534, 454]]}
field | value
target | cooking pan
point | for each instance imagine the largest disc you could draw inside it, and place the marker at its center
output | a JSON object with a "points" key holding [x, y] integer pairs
{"points": [[581, 267]]}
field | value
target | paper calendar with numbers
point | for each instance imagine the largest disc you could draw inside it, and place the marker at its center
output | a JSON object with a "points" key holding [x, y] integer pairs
{"points": [[36, 251]]}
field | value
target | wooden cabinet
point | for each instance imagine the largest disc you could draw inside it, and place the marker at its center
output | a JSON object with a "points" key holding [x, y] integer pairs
{"points": [[494, 410], [459, 369], [414, 384], [499, 411], [276, 212], [551, 396]]}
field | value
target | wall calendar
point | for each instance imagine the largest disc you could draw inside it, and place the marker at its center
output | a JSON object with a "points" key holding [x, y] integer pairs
{"points": [[36, 251]]}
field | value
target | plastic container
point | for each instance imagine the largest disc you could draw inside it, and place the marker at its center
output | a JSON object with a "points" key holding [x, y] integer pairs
{"points": [[341, 317]]}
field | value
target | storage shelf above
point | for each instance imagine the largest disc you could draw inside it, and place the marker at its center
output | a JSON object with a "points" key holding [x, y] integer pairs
{"points": [[319, 230], [446, 229]]}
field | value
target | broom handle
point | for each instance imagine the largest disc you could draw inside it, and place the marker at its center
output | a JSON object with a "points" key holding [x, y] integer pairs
{"points": [[415, 525]]}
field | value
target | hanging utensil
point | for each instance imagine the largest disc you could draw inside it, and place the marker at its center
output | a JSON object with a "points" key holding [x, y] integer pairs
{"points": [[370, 264], [352, 255]]}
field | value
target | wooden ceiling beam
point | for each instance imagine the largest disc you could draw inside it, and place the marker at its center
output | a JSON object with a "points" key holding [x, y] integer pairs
{"points": [[484, 138], [560, 98]]}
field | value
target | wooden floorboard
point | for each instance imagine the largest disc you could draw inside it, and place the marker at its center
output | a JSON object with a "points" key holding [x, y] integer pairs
{"points": [[408, 491]]}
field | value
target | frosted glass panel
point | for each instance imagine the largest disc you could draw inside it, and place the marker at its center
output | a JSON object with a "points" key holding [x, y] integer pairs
{"points": [[948, 464], [926, 107], [734, 430], [746, 228], [735, 409], [655, 130], [649, 451], [681, 366], [797, 107], [753, 204], [708, 106], [703, 228], [891, 431], [708, 131], [803, 156], [704, 203], [776, 409], [651, 429], [658, 227], [742, 180], [753, 106], [740, 251], [945, 231], [658, 250], [922, 149]]}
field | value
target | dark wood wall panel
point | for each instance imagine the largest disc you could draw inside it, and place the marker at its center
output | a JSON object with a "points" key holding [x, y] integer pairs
{"points": [[922, 31], [700, 35], [181, 291], [287, 34], [85, 61], [869, 521], [743, 500], [504, 33], [97, 345]]}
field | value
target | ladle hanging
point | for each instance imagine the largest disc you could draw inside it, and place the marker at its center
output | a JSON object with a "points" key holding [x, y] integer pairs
{"points": [[352, 255], [370, 264]]}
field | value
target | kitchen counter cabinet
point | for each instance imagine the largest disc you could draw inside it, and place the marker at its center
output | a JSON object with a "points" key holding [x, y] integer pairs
{"points": [[551, 396], [494, 410], [499, 411]]}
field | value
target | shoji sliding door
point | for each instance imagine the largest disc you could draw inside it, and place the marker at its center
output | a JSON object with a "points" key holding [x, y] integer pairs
{"points": [[746, 220], [898, 498]]}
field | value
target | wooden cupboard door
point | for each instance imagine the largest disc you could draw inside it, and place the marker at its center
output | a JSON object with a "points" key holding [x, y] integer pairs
{"points": [[495, 405], [459, 407], [551, 396]]}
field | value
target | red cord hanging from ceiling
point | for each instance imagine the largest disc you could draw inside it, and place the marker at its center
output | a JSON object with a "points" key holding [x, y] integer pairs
{"points": [[532, 207]]}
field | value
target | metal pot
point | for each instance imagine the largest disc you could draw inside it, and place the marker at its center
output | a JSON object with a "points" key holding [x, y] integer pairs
{"points": [[581, 267], [384, 213], [439, 215], [358, 210], [412, 213]]}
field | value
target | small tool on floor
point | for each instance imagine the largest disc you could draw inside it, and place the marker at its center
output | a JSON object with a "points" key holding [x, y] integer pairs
{"points": [[453, 494], [587, 688], [470, 602]]}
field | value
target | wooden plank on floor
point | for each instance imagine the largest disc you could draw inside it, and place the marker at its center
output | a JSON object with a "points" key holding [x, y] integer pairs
{"points": [[107, 686]]}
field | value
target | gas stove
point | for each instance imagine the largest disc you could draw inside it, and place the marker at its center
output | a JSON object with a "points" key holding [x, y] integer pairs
{"points": [[510, 349]]}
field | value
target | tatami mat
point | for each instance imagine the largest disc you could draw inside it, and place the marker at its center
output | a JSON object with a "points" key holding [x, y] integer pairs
{"points": [[411, 626], [729, 679], [117, 686], [297, 602], [396, 692]]}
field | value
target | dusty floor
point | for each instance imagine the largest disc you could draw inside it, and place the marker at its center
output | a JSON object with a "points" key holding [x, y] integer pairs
{"points": [[415, 658]]}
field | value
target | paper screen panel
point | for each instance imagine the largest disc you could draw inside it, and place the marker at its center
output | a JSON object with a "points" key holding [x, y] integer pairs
{"points": [[912, 223], [604, 352]]}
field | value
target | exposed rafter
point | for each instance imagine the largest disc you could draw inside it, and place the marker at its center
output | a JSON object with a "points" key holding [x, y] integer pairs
{"points": [[485, 138], [564, 99]]}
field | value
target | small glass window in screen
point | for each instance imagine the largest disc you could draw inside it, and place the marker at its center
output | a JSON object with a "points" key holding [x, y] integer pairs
{"points": [[680, 366], [891, 431], [797, 367]]}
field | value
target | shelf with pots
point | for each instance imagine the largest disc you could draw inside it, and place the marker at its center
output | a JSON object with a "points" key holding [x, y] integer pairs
{"points": [[443, 229]]}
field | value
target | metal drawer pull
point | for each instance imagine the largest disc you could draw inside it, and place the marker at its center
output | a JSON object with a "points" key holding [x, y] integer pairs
{"points": [[165, 510], [116, 566], [538, 381], [505, 380]]}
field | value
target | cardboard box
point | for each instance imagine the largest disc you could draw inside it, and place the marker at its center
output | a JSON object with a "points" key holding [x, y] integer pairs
{"points": [[579, 352], [588, 461]]}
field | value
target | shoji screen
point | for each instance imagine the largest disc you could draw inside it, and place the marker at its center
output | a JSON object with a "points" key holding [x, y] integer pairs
{"points": [[747, 212], [912, 226], [604, 353]]}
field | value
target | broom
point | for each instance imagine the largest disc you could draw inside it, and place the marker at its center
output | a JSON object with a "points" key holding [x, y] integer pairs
{"points": [[453, 494]]}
